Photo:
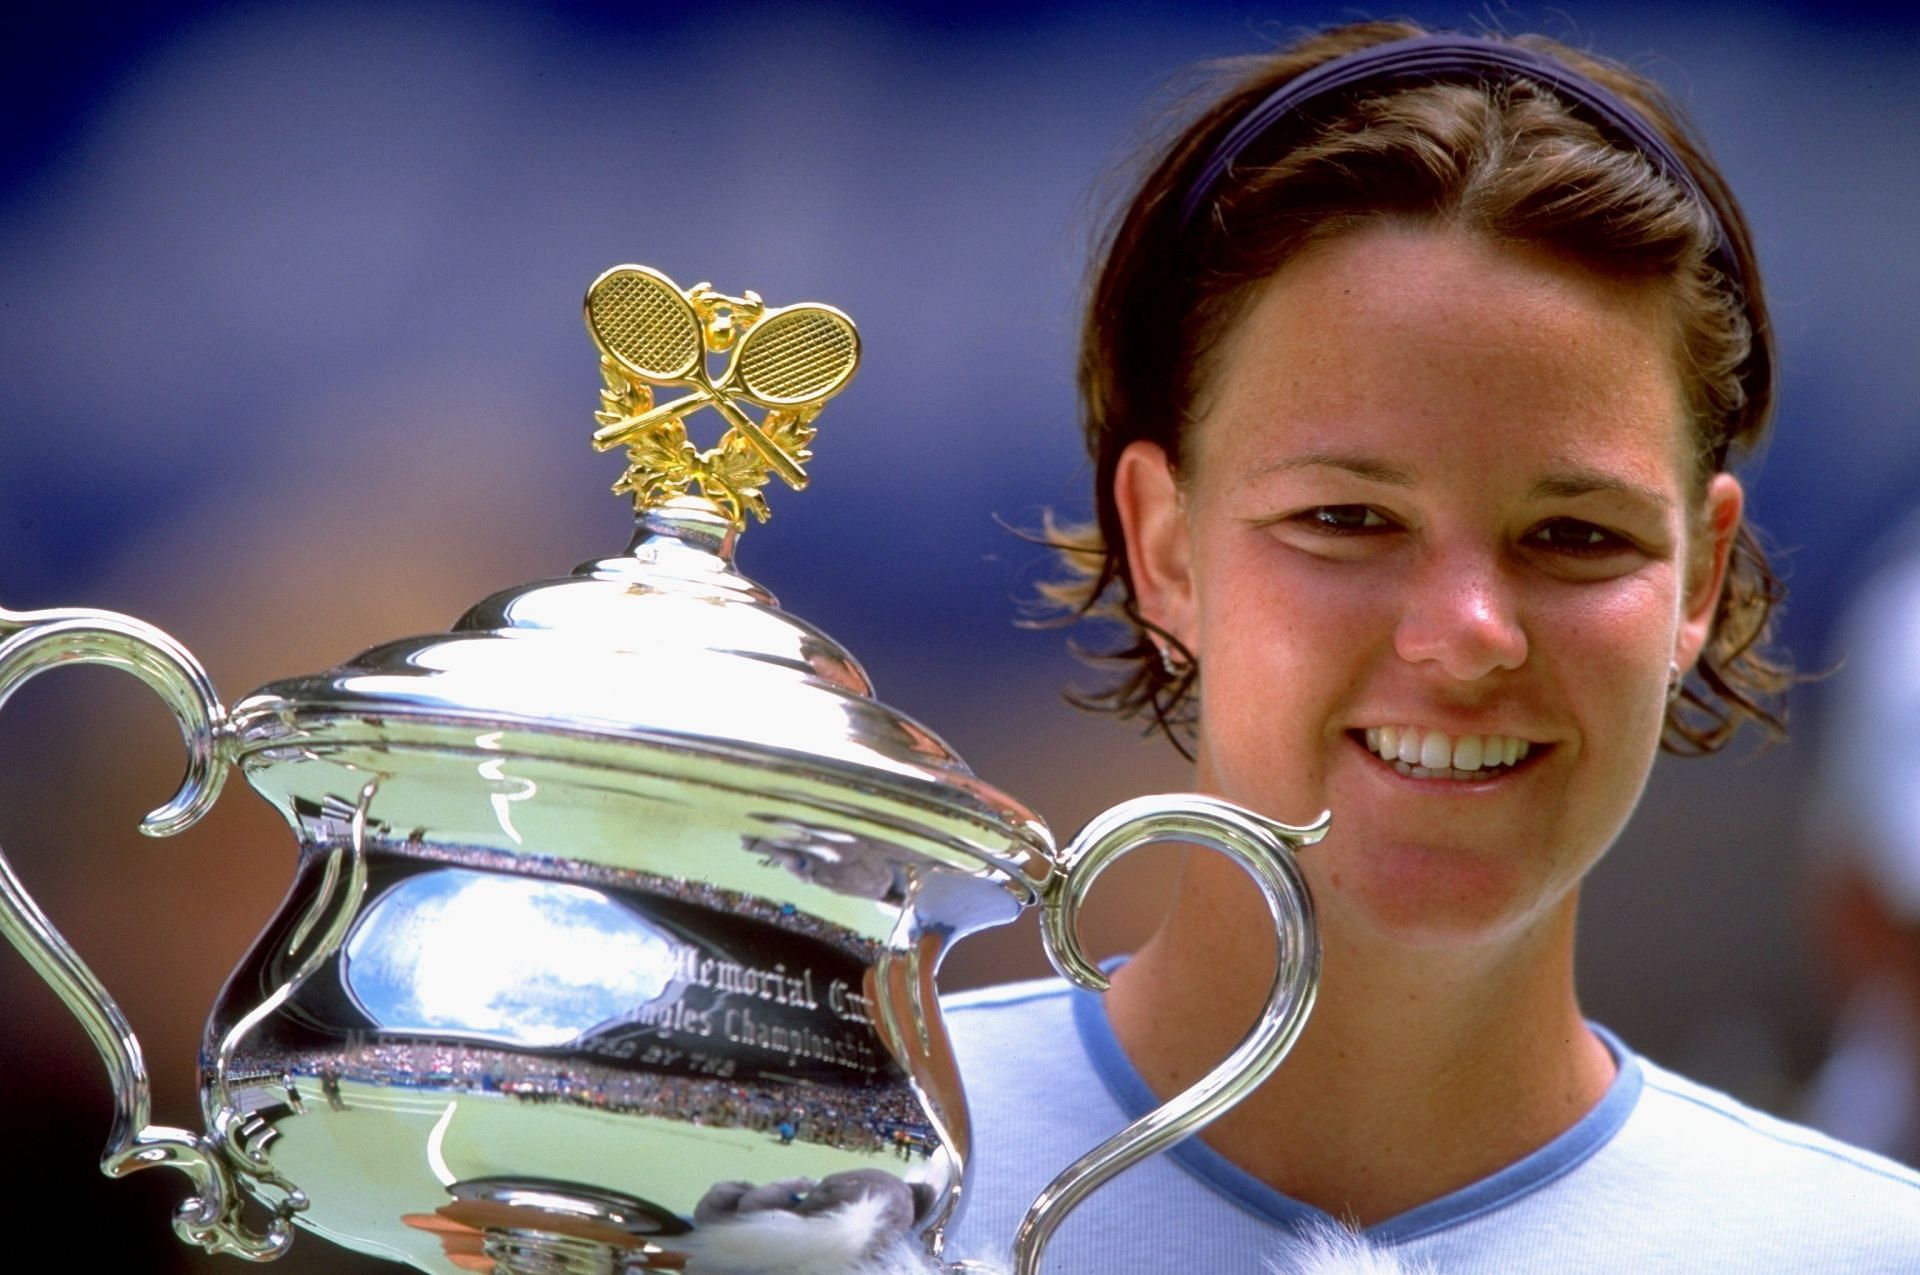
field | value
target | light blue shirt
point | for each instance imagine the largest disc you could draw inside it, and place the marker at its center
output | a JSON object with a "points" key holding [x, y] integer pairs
{"points": [[1663, 1175]]}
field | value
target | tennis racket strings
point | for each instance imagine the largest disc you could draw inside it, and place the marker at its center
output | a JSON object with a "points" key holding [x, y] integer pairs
{"points": [[798, 355], [646, 323]]}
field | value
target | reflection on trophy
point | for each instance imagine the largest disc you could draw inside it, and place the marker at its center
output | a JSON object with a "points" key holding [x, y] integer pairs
{"points": [[618, 907]]}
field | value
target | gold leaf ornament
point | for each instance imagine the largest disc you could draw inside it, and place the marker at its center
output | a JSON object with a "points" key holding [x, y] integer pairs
{"points": [[622, 397], [788, 361], [661, 463]]}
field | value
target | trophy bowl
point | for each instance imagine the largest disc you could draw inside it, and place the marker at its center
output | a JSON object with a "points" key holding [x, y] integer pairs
{"points": [[617, 907]]}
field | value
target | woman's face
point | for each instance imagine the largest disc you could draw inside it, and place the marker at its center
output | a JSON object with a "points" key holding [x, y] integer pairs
{"points": [[1438, 503]]}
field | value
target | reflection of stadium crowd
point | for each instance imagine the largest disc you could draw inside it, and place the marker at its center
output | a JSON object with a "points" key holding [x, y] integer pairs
{"points": [[851, 1118], [700, 893]]}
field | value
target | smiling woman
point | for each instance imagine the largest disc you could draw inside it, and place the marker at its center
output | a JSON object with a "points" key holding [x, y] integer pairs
{"points": [[1411, 378], [1440, 489]]}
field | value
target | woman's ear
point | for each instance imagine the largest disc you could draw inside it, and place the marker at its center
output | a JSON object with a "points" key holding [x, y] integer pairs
{"points": [[1153, 515], [1708, 559]]}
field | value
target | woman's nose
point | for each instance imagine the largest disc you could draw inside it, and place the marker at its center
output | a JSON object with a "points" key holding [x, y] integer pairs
{"points": [[1462, 618]]}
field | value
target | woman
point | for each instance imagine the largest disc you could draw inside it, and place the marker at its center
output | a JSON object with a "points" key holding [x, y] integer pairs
{"points": [[1411, 376]]}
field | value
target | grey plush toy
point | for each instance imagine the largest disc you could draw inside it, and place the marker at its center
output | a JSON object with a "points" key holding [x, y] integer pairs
{"points": [[861, 1223]]}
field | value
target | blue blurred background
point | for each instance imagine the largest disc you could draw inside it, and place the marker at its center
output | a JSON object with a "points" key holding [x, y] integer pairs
{"points": [[291, 363]]}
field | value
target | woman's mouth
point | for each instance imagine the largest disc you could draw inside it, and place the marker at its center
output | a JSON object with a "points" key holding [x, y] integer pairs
{"points": [[1420, 753]]}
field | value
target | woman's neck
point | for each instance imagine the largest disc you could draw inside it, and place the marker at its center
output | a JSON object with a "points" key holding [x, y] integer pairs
{"points": [[1418, 1073]]}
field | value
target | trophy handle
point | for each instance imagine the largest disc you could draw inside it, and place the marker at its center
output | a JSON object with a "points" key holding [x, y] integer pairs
{"points": [[30, 643], [1265, 849]]}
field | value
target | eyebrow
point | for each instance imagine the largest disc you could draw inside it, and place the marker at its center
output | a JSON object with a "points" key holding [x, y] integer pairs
{"points": [[1368, 467], [1587, 482], [1561, 485]]}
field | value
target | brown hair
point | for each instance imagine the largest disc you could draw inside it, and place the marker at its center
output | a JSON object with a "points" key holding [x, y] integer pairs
{"points": [[1506, 159]]}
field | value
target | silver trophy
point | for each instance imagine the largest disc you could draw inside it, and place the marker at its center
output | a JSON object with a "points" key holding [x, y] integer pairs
{"points": [[623, 896]]}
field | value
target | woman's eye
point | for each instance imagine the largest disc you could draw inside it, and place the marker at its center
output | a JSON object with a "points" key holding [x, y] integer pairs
{"points": [[1344, 520], [1570, 535]]}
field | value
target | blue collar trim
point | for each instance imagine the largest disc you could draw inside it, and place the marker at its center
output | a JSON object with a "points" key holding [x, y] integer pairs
{"points": [[1526, 1175]]}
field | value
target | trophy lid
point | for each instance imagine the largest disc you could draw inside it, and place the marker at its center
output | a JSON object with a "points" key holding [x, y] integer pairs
{"points": [[666, 648]]}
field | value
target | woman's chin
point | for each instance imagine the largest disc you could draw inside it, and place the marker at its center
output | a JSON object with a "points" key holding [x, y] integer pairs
{"points": [[1424, 896]]}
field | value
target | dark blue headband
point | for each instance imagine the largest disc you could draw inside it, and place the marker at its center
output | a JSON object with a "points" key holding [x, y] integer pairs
{"points": [[1449, 59]]}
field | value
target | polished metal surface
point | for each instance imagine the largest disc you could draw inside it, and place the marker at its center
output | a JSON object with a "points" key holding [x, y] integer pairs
{"points": [[688, 669], [650, 899], [530, 1000], [621, 903], [1265, 849], [30, 644]]}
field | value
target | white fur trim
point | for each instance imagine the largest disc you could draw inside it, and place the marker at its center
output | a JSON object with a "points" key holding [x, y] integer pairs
{"points": [[904, 1258], [839, 1243], [1334, 1250]]}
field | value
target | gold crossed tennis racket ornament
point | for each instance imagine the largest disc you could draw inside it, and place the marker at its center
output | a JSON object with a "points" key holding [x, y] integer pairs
{"points": [[787, 361]]}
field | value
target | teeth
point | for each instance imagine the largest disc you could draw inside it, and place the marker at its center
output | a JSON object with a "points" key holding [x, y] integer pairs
{"points": [[1434, 754]]}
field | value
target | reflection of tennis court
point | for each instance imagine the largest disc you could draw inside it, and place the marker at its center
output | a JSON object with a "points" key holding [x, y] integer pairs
{"points": [[391, 1144]]}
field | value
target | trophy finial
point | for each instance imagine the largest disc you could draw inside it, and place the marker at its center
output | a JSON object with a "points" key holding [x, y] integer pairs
{"points": [[788, 360]]}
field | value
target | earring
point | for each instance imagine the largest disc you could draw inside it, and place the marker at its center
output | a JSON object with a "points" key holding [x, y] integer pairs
{"points": [[1674, 679], [1171, 662]]}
